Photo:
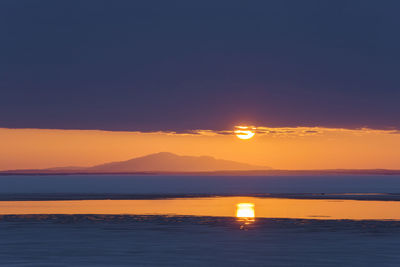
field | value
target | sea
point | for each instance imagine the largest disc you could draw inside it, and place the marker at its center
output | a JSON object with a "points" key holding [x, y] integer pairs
{"points": [[156, 220]]}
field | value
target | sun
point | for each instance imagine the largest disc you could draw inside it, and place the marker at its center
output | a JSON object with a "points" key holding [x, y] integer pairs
{"points": [[244, 132]]}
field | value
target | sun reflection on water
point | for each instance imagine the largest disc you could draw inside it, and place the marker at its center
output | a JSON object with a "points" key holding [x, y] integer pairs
{"points": [[245, 214]]}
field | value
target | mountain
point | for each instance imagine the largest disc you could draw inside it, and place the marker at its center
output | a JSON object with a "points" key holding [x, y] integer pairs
{"points": [[169, 162], [154, 163]]}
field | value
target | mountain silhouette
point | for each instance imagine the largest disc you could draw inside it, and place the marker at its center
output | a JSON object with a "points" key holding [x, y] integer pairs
{"points": [[169, 162]]}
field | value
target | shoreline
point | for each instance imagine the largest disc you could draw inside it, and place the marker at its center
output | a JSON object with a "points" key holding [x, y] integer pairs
{"points": [[122, 196], [215, 173]]}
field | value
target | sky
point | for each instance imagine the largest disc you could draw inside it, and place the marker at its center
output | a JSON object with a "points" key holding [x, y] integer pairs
{"points": [[155, 67], [179, 65], [279, 148]]}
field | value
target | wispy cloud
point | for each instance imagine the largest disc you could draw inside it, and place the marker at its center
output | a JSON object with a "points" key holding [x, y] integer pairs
{"points": [[290, 131]]}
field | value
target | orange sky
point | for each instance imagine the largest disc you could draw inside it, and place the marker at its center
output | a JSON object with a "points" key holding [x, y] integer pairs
{"points": [[279, 148]]}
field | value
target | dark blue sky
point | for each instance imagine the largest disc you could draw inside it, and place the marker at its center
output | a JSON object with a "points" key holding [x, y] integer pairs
{"points": [[176, 65]]}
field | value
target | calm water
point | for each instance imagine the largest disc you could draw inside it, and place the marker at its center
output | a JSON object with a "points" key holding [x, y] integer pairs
{"points": [[163, 184], [368, 239], [215, 206]]}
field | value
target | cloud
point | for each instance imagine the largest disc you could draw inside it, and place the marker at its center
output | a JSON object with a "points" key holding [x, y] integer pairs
{"points": [[151, 67], [286, 131]]}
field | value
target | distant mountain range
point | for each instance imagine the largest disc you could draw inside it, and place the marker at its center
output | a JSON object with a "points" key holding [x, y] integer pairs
{"points": [[163, 162], [169, 163]]}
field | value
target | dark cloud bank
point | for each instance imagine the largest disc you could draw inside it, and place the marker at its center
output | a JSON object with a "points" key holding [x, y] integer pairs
{"points": [[176, 65]]}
